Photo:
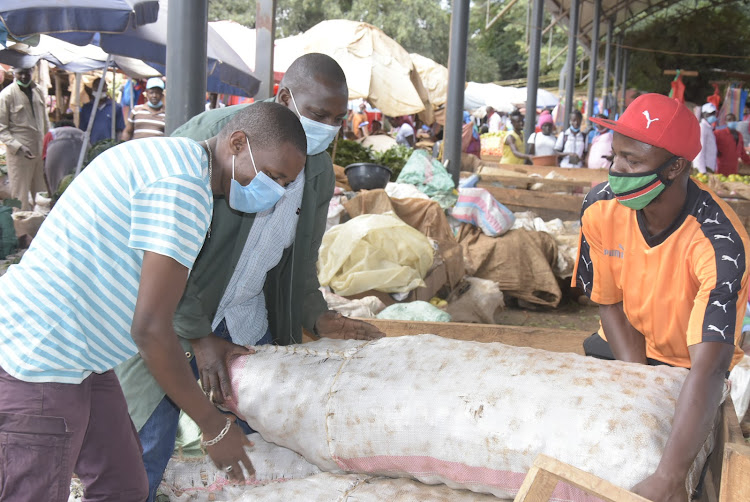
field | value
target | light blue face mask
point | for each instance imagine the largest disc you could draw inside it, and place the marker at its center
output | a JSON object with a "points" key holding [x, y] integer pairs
{"points": [[732, 126], [319, 135], [260, 194]]}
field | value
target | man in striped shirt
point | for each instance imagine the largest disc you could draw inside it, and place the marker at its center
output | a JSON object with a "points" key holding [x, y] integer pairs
{"points": [[147, 121], [101, 282]]}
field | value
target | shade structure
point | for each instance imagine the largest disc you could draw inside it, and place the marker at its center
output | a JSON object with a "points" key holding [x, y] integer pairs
{"points": [[503, 99], [434, 77], [27, 17], [242, 40], [377, 68], [70, 57]]}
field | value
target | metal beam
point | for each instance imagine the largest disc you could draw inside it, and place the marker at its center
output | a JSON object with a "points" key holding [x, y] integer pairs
{"points": [[607, 58], [594, 59], [532, 75], [571, 63], [625, 58], [265, 27], [459, 38], [618, 69], [500, 14], [187, 28]]}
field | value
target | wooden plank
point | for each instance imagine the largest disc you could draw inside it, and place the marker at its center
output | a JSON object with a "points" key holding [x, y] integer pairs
{"points": [[549, 470], [581, 174], [735, 477], [727, 432], [531, 199], [528, 181], [518, 336]]}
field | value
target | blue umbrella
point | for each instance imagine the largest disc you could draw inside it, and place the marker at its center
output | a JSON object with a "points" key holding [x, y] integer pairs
{"points": [[27, 17], [227, 72]]}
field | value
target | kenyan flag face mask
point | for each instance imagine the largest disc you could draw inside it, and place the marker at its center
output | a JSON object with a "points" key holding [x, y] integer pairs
{"points": [[637, 190]]}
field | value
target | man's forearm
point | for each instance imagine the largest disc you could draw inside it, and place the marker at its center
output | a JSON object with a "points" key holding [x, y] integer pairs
{"points": [[695, 412], [627, 343]]}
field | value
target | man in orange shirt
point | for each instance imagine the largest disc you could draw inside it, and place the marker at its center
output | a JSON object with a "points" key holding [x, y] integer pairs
{"points": [[667, 262], [360, 122]]}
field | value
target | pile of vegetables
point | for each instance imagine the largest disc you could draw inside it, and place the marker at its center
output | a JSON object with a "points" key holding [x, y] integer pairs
{"points": [[351, 152]]}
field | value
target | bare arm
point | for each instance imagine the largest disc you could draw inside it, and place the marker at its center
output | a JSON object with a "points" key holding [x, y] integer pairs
{"points": [[511, 142], [127, 134], [162, 282], [627, 343], [693, 418]]}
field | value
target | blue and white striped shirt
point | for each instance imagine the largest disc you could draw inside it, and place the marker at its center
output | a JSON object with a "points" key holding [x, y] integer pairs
{"points": [[68, 306]]}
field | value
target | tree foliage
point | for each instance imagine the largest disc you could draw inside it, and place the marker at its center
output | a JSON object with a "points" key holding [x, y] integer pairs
{"points": [[713, 31]]}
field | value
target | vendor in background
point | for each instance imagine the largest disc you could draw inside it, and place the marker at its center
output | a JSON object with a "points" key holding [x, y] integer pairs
{"points": [[600, 146], [213, 101], [543, 143], [494, 120], [405, 132], [102, 128], [730, 147], [513, 148], [572, 142], [470, 136], [62, 145], [148, 121], [23, 124], [360, 122], [666, 260], [705, 161]]}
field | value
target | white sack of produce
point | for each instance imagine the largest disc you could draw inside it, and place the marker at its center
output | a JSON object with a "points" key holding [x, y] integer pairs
{"points": [[27, 222], [374, 251], [739, 379], [198, 479], [327, 487], [467, 414]]}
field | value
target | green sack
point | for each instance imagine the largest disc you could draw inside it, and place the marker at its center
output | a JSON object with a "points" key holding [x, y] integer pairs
{"points": [[8, 239], [430, 177]]}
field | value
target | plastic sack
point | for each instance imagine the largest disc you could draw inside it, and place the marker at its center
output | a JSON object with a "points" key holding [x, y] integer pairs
{"points": [[475, 300], [374, 251], [466, 414], [478, 207], [367, 307], [414, 311], [27, 222], [740, 380], [427, 174], [403, 191], [42, 203]]}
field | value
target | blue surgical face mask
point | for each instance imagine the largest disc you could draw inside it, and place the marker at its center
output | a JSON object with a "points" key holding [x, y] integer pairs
{"points": [[155, 106], [732, 126], [319, 135], [711, 120], [575, 129], [260, 194]]}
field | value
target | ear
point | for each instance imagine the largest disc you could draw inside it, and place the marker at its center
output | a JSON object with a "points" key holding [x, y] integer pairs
{"points": [[284, 97], [678, 167], [237, 142]]}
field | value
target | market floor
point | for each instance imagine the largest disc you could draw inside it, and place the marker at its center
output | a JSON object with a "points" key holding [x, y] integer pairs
{"points": [[568, 316]]}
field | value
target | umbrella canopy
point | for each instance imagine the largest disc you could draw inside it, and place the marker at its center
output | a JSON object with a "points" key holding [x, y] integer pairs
{"points": [[242, 41], [377, 68], [503, 99], [71, 57], [434, 77], [27, 17], [149, 43]]}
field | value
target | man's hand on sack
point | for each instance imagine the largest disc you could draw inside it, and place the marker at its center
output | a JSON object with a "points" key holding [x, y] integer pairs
{"points": [[332, 324], [212, 355]]}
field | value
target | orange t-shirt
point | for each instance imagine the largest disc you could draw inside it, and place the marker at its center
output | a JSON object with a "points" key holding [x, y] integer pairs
{"points": [[682, 287]]}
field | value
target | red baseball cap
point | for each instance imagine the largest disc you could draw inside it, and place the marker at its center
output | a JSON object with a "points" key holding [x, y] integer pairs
{"points": [[660, 121]]}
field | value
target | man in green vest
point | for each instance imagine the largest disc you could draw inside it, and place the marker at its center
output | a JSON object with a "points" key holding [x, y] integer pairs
{"points": [[314, 87]]}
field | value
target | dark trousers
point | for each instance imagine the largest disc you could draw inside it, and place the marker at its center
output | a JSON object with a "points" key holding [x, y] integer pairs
{"points": [[598, 347]]}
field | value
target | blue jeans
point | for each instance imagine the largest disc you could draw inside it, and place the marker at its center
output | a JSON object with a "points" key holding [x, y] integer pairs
{"points": [[159, 432]]}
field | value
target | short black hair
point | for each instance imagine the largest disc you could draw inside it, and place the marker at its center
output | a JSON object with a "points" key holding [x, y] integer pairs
{"points": [[516, 113], [577, 113], [316, 66], [269, 124]]}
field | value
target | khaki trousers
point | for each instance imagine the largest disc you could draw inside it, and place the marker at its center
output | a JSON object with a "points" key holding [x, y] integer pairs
{"points": [[26, 178]]}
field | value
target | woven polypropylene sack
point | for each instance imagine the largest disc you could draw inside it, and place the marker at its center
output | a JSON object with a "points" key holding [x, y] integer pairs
{"points": [[478, 207], [198, 479], [328, 487], [466, 414]]}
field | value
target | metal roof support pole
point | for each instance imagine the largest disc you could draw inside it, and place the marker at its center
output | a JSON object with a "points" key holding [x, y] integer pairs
{"points": [[618, 73], [265, 26], [570, 79], [594, 59], [532, 75], [607, 60], [456, 82], [625, 59], [187, 28]]}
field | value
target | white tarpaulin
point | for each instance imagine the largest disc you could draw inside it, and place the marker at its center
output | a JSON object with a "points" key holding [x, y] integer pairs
{"points": [[434, 78], [503, 99], [377, 68]]}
